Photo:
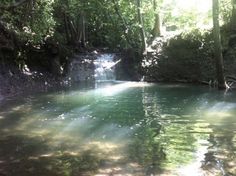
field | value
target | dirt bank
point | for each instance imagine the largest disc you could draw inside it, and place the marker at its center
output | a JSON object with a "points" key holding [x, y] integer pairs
{"points": [[14, 82]]}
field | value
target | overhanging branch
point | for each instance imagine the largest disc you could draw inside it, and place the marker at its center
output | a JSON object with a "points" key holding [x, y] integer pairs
{"points": [[13, 5]]}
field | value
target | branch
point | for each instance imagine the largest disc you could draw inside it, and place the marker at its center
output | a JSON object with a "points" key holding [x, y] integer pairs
{"points": [[13, 5], [123, 23]]}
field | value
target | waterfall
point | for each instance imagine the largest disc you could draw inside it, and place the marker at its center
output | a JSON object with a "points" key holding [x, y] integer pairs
{"points": [[105, 67], [90, 67]]}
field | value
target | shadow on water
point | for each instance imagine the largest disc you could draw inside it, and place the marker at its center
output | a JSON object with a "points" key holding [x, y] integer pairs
{"points": [[122, 128], [33, 156]]}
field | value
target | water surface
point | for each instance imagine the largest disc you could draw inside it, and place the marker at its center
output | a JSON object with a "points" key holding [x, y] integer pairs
{"points": [[120, 128]]}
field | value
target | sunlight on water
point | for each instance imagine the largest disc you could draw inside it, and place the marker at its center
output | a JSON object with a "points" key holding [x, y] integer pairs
{"points": [[220, 111], [194, 168], [218, 114], [120, 128], [114, 89]]}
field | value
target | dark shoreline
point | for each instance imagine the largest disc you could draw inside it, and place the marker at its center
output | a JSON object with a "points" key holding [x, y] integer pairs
{"points": [[16, 83]]}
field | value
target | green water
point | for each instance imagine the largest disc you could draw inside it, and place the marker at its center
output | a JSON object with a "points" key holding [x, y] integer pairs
{"points": [[122, 129]]}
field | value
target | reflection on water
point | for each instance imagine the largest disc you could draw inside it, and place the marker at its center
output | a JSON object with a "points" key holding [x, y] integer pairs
{"points": [[120, 128]]}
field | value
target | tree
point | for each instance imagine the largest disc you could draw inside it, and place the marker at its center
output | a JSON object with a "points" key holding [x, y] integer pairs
{"points": [[141, 26], [124, 24], [13, 5], [71, 17], [233, 18], [217, 45], [31, 20], [156, 32]]}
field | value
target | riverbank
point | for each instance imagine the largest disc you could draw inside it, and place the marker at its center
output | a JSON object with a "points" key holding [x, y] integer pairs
{"points": [[14, 82]]}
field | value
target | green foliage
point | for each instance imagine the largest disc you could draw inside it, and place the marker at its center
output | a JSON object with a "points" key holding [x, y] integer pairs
{"points": [[37, 19], [32, 21], [42, 23], [111, 23], [186, 57], [225, 10]]}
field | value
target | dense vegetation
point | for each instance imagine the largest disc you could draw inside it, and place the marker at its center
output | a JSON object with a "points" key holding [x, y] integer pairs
{"points": [[172, 41]]}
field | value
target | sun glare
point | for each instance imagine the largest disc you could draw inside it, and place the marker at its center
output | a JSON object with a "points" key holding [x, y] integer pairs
{"points": [[114, 89], [196, 12], [202, 6]]}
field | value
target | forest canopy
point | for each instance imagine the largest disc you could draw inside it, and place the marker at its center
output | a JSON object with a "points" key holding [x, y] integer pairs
{"points": [[112, 23]]}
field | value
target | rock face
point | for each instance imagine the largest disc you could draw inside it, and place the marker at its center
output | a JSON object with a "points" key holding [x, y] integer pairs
{"points": [[128, 68], [82, 68], [14, 82], [93, 67]]}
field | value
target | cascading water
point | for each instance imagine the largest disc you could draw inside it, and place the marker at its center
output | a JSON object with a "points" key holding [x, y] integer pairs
{"points": [[105, 67], [90, 67]]}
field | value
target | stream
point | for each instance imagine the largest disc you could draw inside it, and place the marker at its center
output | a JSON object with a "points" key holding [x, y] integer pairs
{"points": [[119, 128]]}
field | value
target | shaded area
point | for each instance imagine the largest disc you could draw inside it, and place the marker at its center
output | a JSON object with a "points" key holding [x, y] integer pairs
{"points": [[33, 156]]}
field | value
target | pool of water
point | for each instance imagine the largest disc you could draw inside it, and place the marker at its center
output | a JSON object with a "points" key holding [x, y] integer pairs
{"points": [[120, 129]]}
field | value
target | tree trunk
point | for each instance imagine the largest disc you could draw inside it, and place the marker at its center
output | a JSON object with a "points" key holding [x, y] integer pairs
{"points": [[232, 38], [156, 32], [217, 46], [142, 31], [233, 18], [68, 38], [83, 42]]}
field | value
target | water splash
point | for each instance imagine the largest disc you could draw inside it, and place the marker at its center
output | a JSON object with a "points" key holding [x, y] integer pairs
{"points": [[105, 67]]}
